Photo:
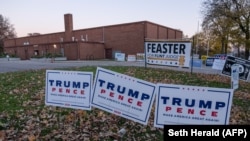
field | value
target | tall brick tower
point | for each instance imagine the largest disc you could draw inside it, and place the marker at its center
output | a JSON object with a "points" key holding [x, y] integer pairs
{"points": [[68, 23]]}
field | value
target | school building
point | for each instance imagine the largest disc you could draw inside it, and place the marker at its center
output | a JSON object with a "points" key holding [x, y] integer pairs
{"points": [[91, 43]]}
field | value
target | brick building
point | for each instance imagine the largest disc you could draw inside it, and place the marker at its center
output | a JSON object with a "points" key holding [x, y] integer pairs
{"points": [[92, 43]]}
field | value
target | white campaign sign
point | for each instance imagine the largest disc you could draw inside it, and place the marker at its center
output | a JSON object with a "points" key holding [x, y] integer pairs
{"points": [[168, 53], [120, 56], [70, 89], [131, 58], [218, 64], [123, 95], [179, 104]]}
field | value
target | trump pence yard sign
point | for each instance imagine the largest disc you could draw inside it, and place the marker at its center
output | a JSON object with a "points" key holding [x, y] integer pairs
{"points": [[179, 104], [71, 89], [123, 95]]}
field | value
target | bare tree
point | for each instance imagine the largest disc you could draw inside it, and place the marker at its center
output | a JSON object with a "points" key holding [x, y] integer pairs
{"points": [[7, 31]]}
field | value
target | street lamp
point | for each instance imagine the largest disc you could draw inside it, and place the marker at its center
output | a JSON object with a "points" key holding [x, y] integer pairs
{"points": [[53, 56], [54, 48]]}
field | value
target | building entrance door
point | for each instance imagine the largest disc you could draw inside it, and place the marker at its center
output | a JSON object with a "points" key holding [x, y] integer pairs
{"points": [[26, 54], [108, 53]]}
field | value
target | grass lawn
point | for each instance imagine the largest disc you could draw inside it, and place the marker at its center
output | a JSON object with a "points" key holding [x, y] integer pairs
{"points": [[24, 115]]}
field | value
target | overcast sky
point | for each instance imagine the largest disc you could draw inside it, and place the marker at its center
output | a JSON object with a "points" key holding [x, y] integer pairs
{"points": [[47, 16]]}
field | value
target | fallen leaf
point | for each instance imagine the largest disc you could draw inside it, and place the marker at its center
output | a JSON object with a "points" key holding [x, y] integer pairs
{"points": [[32, 138], [2, 135]]}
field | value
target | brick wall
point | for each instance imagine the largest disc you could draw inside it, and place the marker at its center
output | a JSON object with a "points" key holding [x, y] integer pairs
{"points": [[91, 51], [126, 38], [155, 31]]}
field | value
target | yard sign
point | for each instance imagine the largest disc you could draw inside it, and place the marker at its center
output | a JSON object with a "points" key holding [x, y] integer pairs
{"points": [[180, 104], [123, 95], [168, 53], [70, 89], [244, 67]]}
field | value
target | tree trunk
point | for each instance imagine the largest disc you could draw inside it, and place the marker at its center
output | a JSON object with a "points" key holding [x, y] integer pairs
{"points": [[247, 45], [222, 46], [226, 44], [225, 48], [238, 49], [247, 53]]}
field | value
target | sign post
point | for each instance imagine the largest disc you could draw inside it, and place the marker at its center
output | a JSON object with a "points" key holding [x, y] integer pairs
{"points": [[235, 76]]}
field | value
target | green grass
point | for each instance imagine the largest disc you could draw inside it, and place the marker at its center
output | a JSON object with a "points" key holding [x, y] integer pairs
{"points": [[22, 103]]}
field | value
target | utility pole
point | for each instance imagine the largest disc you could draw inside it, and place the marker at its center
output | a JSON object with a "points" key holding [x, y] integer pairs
{"points": [[197, 44]]}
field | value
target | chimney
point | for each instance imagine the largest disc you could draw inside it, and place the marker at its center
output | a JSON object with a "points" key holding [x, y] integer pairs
{"points": [[68, 23]]}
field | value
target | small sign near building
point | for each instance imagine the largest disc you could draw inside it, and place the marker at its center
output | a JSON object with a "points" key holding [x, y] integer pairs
{"points": [[218, 64], [140, 57], [196, 63], [204, 57], [131, 58], [119, 56], [209, 61]]}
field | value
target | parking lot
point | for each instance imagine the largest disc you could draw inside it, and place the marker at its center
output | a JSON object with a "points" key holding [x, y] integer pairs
{"points": [[23, 65]]}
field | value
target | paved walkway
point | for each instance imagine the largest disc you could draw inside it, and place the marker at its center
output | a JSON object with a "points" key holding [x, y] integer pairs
{"points": [[13, 66]]}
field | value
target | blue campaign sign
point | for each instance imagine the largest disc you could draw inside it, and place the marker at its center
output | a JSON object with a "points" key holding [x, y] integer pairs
{"points": [[210, 61], [196, 63], [123, 95]]}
